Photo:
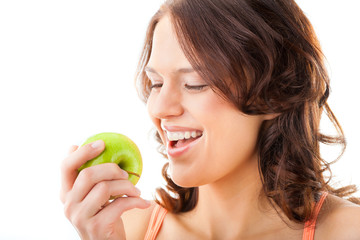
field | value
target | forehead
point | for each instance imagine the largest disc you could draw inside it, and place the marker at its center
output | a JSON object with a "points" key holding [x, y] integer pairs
{"points": [[166, 52]]}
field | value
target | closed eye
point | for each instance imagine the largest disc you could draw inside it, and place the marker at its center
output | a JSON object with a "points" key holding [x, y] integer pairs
{"points": [[156, 85], [195, 87]]}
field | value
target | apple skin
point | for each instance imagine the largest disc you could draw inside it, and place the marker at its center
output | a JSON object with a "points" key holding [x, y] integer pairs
{"points": [[119, 149]]}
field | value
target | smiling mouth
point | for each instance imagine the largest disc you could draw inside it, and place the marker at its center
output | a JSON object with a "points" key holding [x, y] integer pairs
{"points": [[181, 139], [182, 143]]}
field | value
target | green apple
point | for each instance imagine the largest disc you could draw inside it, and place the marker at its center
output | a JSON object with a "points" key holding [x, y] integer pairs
{"points": [[119, 149]]}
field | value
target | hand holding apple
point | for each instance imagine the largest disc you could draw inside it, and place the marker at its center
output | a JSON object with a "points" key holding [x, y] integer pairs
{"points": [[119, 149], [86, 195]]}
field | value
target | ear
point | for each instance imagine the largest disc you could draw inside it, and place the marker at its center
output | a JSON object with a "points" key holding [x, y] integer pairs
{"points": [[270, 116]]}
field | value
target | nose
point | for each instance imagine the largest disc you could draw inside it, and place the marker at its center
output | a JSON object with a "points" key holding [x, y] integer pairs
{"points": [[165, 103]]}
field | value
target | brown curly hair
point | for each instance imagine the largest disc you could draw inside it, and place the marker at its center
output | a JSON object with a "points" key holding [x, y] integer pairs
{"points": [[271, 59]]}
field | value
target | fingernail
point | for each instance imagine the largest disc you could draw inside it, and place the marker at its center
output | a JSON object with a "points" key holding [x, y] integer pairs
{"points": [[96, 144]]}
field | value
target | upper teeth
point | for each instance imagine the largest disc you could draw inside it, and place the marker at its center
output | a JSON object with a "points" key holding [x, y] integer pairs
{"points": [[175, 136]]}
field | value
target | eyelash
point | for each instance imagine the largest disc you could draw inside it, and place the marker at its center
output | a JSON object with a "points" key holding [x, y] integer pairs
{"points": [[189, 87], [195, 87], [157, 85]]}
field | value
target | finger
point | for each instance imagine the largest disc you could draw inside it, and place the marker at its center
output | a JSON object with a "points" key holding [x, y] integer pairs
{"points": [[84, 154], [72, 149], [114, 210], [99, 196], [90, 176], [69, 167]]}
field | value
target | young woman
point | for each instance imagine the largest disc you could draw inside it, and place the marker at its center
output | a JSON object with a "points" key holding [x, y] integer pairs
{"points": [[235, 90]]}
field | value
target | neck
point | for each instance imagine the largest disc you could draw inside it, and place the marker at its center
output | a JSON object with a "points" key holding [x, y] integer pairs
{"points": [[233, 206]]}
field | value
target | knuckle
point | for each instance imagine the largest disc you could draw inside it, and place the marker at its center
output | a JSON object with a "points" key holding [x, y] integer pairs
{"points": [[68, 210], [77, 221], [62, 196], [93, 226], [86, 174], [64, 166], [68, 165], [115, 169], [129, 185], [103, 188]]}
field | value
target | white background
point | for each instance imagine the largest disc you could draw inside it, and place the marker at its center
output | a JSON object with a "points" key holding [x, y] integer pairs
{"points": [[66, 72]]}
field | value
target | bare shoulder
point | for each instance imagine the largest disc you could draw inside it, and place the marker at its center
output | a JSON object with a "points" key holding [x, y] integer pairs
{"points": [[136, 222], [340, 219]]}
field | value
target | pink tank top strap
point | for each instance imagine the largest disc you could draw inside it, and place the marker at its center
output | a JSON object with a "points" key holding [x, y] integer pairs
{"points": [[156, 220], [309, 230]]}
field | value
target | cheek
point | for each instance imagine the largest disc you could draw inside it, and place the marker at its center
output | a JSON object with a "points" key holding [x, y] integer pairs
{"points": [[232, 139], [233, 142], [149, 105], [150, 110], [242, 136], [204, 107]]}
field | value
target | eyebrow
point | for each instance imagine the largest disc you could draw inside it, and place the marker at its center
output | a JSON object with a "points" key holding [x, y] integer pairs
{"points": [[180, 70]]}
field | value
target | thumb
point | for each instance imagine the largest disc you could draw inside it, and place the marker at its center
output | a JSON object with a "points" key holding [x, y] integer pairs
{"points": [[71, 164]]}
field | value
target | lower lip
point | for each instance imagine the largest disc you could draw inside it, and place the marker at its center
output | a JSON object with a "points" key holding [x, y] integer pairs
{"points": [[177, 152]]}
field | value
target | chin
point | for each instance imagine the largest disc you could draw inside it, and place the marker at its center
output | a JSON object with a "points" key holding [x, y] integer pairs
{"points": [[183, 184], [184, 178]]}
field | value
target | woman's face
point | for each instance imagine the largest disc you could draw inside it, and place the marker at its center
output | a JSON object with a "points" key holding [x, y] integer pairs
{"points": [[219, 139]]}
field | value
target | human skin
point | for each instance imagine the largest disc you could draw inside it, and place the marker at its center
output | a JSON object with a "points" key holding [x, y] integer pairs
{"points": [[221, 163], [228, 141], [86, 194]]}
